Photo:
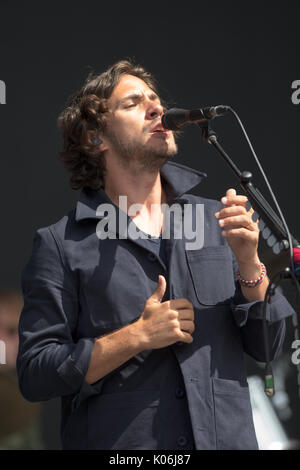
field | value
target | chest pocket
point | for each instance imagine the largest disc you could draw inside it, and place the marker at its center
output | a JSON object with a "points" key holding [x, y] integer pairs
{"points": [[211, 271]]}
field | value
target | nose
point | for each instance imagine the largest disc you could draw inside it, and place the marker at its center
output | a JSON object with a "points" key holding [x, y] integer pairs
{"points": [[154, 110]]}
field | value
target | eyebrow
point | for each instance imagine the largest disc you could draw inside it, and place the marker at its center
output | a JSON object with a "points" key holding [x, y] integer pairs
{"points": [[137, 97]]}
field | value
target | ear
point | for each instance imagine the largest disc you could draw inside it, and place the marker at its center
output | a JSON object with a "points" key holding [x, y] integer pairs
{"points": [[98, 142]]}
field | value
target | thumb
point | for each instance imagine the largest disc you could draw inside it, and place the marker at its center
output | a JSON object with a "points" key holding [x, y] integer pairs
{"points": [[160, 290]]}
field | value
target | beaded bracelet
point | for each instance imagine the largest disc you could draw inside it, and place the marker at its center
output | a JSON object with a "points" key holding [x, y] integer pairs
{"points": [[255, 282]]}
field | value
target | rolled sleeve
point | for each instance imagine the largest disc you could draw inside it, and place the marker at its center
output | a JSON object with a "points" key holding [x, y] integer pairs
{"points": [[87, 390], [73, 370], [50, 362], [277, 309], [248, 317]]}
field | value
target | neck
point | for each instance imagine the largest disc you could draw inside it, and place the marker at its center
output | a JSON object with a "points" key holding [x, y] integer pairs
{"points": [[140, 187]]}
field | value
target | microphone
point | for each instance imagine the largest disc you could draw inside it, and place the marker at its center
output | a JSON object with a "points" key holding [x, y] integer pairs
{"points": [[175, 118]]}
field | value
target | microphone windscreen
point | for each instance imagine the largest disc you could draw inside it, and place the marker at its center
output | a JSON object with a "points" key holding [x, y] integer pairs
{"points": [[174, 118]]}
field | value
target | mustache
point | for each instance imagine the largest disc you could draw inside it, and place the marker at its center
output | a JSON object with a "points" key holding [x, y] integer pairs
{"points": [[177, 134], [152, 125]]}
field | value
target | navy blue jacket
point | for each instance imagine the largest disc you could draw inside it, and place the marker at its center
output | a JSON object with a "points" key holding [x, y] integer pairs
{"points": [[78, 288]]}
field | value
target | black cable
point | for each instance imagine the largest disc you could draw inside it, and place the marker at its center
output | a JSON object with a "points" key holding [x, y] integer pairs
{"points": [[269, 187], [296, 327], [269, 380]]}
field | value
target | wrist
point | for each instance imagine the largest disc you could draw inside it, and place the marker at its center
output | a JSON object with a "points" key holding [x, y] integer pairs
{"points": [[137, 336], [250, 269], [256, 280]]}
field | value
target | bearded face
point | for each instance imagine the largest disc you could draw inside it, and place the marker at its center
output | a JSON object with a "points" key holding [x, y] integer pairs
{"points": [[134, 131]]}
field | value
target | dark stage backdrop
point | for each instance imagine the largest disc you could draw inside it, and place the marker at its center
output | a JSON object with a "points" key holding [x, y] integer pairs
{"points": [[244, 54]]}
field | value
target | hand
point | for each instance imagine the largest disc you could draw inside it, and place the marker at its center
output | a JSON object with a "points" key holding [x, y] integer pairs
{"points": [[162, 324], [238, 227]]}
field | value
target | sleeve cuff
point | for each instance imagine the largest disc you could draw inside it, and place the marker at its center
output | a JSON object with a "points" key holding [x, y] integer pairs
{"points": [[73, 371], [278, 308]]}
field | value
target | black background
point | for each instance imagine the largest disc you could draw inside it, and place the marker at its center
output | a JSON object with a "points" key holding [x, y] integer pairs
{"points": [[244, 54]]}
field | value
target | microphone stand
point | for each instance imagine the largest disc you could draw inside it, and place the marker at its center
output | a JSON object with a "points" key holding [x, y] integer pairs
{"points": [[272, 229], [270, 224]]}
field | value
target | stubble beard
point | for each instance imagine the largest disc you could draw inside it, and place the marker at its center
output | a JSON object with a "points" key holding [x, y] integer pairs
{"points": [[140, 157]]}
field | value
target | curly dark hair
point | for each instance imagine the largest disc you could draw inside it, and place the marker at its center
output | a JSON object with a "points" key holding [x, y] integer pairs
{"points": [[86, 115]]}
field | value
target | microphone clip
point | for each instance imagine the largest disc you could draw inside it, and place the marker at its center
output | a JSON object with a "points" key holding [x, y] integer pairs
{"points": [[208, 134]]}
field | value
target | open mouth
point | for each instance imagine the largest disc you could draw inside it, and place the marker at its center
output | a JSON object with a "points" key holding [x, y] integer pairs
{"points": [[160, 131]]}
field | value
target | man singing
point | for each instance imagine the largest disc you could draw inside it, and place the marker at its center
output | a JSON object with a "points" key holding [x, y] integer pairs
{"points": [[142, 337]]}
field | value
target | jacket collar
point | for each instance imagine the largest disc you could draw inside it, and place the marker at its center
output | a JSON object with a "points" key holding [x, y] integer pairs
{"points": [[179, 179]]}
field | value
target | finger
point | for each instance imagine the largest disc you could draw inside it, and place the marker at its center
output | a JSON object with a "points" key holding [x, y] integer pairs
{"points": [[181, 303], [230, 192], [160, 290], [234, 210], [234, 200], [231, 211], [241, 233], [187, 326], [186, 314], [238, 221], [186, 337]]}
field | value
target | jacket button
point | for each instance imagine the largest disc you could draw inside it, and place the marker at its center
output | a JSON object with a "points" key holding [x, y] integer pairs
{"points": [[179, 392], [151, 256], [182, 441]]}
